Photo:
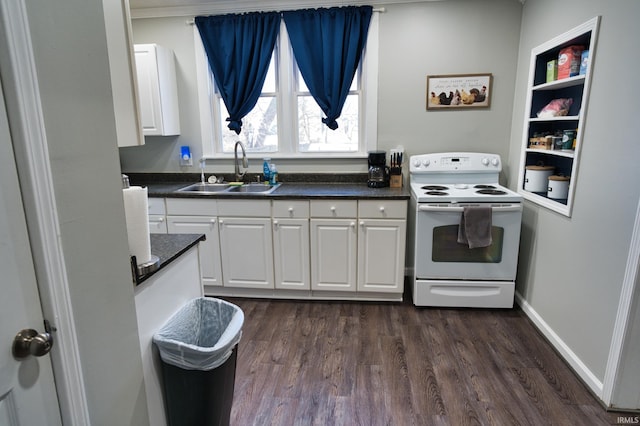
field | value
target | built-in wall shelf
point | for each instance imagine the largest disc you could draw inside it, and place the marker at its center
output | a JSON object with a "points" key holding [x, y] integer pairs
{"points": [[541, 90]]}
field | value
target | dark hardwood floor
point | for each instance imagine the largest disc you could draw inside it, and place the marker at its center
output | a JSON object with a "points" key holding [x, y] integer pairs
{"points": [[352, 363]]}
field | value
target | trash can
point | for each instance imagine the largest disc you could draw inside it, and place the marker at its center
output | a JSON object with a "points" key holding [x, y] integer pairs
{"points": [[198, 349]]}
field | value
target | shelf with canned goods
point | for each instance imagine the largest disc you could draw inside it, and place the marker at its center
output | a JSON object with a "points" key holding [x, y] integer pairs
{"points": [[557, 99]]}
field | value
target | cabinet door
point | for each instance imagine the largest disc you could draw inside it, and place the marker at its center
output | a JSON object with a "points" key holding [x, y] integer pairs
{"points": [[291, 254], [333, 254], [157, 89], [157, 224], [381, 247], [246, 246], [209, 248]]}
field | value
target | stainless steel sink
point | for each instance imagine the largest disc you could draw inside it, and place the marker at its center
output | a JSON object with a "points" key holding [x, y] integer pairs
{"points": [[205, 188], [253, 188], [216, 188]]}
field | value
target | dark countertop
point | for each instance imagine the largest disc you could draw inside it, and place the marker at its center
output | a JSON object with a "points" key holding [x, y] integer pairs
{"points": [[168, 247], [293, 186]]}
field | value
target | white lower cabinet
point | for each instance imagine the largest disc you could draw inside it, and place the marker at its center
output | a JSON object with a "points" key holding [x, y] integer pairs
{"points": [[157, 216], [334, 248], [333, 254], [291, 245], [340, 249], [246, 243], [157, 224], [200, 220], [381, 245]]}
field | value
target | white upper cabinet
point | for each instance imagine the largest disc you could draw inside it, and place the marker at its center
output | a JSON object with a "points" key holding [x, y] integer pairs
{"points": [[157, 90]]}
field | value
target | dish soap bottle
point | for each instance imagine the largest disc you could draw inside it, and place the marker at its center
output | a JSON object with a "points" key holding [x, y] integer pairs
{"points": [[273, 174], [266, 170]]}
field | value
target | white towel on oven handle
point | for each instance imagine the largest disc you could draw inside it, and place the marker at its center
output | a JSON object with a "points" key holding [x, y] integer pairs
{"points": [[475, 227]]}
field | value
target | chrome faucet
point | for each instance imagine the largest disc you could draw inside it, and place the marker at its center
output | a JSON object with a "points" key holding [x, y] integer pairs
{"points": [[245, 161], [203, 162]]}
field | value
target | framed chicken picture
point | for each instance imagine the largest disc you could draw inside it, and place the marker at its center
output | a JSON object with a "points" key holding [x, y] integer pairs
{"points": [[457, 91]]}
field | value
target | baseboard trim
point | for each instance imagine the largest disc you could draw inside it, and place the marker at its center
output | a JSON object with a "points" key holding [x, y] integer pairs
{"points": [[576, 364]]}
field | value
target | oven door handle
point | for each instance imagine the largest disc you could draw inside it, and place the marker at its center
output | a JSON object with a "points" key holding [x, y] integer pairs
{"points": [[500, 209]]}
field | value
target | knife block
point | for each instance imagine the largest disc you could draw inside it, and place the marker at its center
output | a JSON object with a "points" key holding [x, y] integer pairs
{"points": [[395, 177]]}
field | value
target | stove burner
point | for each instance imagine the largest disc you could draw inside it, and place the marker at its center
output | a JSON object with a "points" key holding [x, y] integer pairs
{"points": [[439, 193], [485, 187], [491, 191], [434, 188]]}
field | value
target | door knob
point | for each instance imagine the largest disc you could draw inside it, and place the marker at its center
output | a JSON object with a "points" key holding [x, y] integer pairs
{"points": [[30, 342]]}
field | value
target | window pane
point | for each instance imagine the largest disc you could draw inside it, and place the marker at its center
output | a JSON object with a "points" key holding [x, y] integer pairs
{"points": [[302, 87], [259, 128], [315, 136], [270, 80]]}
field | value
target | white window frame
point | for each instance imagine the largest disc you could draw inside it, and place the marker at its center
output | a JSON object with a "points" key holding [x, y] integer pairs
{"points": [[210, 125]]}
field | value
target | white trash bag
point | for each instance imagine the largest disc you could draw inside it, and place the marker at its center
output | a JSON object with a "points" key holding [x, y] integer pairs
{"points": [[201, 335]]}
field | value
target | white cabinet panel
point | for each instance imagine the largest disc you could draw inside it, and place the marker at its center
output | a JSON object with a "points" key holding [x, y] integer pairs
{"points": [[157, 224], [333, 254], [122, 68], [157, 206], [157, 90], [334, 209], [192, 207], [381, 247], [246, 246], [291, 253], [291, 208], [210, 267], [382, 209]]}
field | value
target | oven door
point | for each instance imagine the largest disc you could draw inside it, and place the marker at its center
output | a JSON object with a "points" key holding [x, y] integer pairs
{"points": [[438, 255]]}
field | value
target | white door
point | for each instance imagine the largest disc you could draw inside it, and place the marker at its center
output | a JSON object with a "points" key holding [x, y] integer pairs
{"points": [[381, 245], [27, 389], [333, 254], [291, 253]]}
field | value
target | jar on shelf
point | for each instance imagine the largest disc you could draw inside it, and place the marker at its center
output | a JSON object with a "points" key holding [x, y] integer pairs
{"points": [[558, 187], [536, 178]]}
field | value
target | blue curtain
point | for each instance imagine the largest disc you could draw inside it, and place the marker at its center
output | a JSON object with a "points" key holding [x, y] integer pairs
{"points": [[239, 48], [327, 45]]}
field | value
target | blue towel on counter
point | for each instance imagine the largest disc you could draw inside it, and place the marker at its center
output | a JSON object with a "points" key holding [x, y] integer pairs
{"points": [[475, 227]]}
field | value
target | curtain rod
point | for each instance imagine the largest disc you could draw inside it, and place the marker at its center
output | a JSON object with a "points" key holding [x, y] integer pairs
{"points": [[375, 9]]}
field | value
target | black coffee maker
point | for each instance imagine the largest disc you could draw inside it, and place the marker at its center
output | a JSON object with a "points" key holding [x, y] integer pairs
{"points": [[378, 170]]}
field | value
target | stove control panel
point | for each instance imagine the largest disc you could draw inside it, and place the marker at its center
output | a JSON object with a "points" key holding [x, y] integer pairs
{"points": [[455, 162]]}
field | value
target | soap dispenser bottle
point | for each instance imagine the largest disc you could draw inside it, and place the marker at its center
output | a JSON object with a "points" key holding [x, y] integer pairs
{"points": [[266, 170], [273, 174]]}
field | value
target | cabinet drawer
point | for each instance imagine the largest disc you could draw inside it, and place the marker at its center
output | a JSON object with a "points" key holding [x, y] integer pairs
{"points": [[381, 209], [192, 207], [334, 208], [292, 209], [156, 205], [244, 208]]}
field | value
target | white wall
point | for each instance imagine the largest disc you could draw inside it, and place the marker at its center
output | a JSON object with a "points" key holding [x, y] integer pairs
{"points": [[415, 40], [571, 269], [71, 58]]}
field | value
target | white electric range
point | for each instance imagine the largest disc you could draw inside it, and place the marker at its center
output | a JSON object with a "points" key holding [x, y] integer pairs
{"points": [[448, 272]]}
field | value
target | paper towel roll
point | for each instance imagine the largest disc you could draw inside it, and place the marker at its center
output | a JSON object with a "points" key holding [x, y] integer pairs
{"points": [[136, 209]]}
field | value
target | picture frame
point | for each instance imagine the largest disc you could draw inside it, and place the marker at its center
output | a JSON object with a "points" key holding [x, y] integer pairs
{"points": [[459, 91]]}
